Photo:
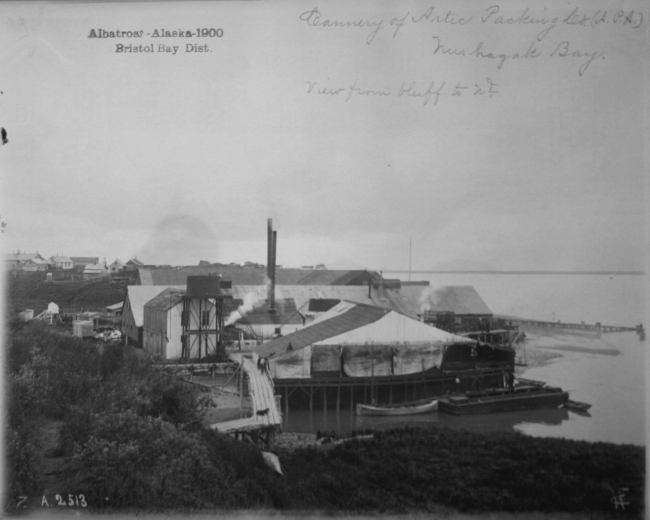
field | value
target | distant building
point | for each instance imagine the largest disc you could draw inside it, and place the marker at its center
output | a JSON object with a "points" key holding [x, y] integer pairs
{"points": [[94, 270], [82, 261], [134, 264], [18, 259], [62, 262], [133, 310], [35, 264], [116, 266], [115, 309]]}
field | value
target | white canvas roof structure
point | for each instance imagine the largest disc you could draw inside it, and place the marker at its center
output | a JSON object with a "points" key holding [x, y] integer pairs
{"points": [[361, 340]]}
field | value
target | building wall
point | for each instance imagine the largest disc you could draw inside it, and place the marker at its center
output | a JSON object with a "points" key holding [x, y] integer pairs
{"points": [[162, 332], [154, 333], [129, 329]]}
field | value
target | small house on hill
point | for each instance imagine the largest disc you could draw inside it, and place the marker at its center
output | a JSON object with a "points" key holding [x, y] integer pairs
{"points": [[18, 260], [93, 271], [115, 309], [134, 264], [116, 266], [35, 264], [62, 262], [82, 261]]}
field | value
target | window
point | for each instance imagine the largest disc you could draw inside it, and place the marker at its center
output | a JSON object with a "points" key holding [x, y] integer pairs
{"points": [[205, 317]]}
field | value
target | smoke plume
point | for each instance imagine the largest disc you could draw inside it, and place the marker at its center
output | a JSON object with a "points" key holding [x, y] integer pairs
{"points": [[251, 300]]}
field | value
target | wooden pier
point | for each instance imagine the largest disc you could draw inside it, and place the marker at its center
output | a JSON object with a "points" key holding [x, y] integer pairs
{"points": [[596, 327], [346, 392], [265, 420]]}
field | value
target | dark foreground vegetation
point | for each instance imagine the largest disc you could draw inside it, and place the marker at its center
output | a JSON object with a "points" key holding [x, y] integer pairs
{"points": [[131, 437]]}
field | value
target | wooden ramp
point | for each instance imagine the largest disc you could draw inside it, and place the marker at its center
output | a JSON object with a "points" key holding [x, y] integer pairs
{"points": [[262, 397]]}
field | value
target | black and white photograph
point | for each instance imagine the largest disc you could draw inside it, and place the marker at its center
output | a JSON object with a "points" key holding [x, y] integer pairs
{"points": [[325, 259]]}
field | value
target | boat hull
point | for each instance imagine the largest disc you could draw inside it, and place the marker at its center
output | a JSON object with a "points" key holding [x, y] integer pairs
{"points": [[397, 410], [505, 402]]}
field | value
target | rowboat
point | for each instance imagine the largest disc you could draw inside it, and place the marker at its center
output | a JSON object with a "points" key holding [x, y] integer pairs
{"points": [[577, 406], [411, 408]]}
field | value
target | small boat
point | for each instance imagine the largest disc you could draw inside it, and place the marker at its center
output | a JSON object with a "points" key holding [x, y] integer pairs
{"points": [[577, 406], [530, 381], [503, 400], [411, 408]]}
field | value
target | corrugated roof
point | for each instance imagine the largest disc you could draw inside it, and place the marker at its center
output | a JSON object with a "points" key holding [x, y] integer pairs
{"points": [[356, 315], [61, 259], [139, 295], [301, 294], [246, 275], [85, 259], [166, 299]]}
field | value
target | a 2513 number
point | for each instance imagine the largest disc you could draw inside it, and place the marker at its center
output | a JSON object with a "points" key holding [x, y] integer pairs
{"points": [[73, 500]]}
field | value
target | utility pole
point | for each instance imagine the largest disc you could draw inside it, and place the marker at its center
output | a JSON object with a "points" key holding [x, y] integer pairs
{"points": [[410, 251]]}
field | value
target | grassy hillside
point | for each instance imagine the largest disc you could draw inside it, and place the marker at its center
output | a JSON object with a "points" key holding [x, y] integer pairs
{"points": [[28, 290], [106, 426]]}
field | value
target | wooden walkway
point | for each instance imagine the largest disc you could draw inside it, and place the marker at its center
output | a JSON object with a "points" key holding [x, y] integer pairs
{"points": [[576, 326], [262, 395]]}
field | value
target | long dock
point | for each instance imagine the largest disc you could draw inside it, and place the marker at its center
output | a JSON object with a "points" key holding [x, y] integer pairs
{"points": [[260, 426], [597, 327]]}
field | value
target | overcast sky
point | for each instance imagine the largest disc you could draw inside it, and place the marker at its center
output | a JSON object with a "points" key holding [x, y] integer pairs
{"points": [[180, 158]]}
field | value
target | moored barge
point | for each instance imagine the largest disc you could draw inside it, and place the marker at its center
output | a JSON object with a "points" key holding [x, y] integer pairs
{"points": [[503, 400]]}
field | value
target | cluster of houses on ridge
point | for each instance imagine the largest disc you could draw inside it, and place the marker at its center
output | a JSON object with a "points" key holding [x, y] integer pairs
{"points": [[91, 266]]}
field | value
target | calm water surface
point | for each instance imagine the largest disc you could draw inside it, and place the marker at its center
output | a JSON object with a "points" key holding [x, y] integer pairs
{"points": [[613, 385]]}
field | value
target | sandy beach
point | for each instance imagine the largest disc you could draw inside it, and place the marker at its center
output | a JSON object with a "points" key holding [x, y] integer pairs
{"points": [[544, 346]]}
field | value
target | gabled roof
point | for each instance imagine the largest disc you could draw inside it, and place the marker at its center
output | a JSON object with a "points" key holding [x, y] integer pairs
{"points": [[61, 259], [118, 262], [166, 300], [115, 306], [342, 318], [36, 260], [139, 295], [21, 257], [94, 268], [135, 262]]}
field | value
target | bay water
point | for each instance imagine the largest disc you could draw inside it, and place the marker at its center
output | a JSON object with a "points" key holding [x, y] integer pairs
{"points": [[615, 385]]}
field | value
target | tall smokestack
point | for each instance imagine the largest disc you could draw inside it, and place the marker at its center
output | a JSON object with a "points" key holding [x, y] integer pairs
{"points": [[274, 252], [269, 248]]}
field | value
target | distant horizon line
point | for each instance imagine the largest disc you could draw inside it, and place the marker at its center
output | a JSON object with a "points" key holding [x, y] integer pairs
{"points": [[496, 271]]}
